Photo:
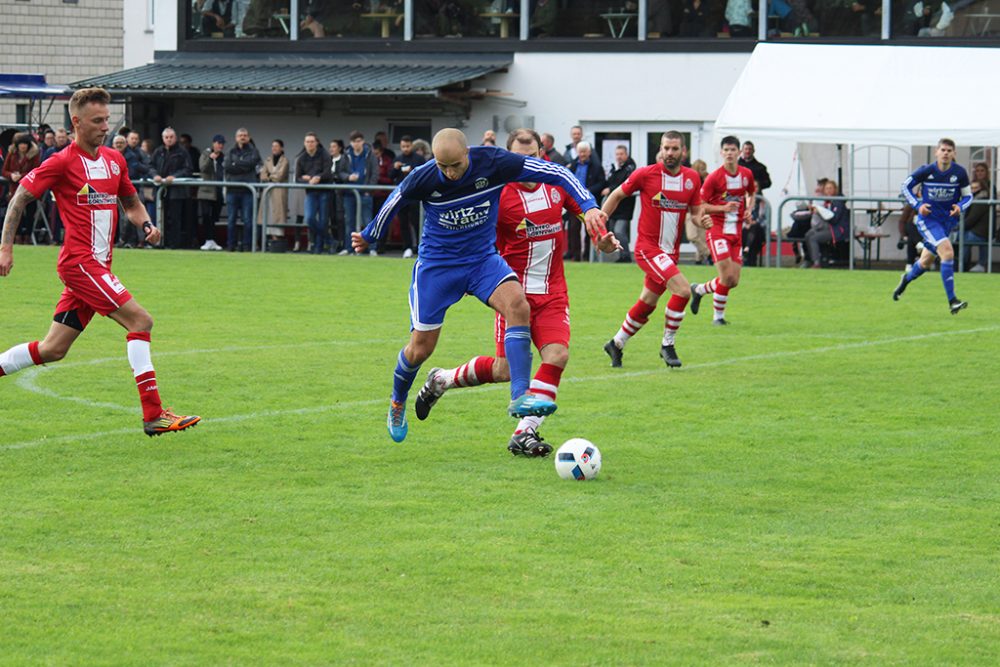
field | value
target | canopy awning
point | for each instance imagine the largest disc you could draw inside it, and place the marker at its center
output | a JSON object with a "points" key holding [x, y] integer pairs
{"points": [[30, 86], [334, 76], [899, 95]]}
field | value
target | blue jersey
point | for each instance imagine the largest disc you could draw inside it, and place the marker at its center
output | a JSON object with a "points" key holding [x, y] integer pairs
{"points": [[940, 190], [460, 217]]}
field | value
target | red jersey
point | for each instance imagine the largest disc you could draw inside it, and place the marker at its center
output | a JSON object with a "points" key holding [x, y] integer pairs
{"points": [[530, 235], [665, 199], [87, 192], [722, 187]]}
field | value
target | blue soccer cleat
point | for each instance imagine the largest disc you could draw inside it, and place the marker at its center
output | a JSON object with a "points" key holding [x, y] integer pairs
{"points": [[397, 421], [530, 405]]}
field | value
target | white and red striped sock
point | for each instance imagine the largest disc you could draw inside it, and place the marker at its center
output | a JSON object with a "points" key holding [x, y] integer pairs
{"points": [[719, 301], [476, 371], [20, 357], [545, 383], [675, 315], [137, 347], [637, 316], [707, 288]]}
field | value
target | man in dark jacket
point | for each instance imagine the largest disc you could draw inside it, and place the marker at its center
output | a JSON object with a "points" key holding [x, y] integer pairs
{"points": [[590, 172], [409, 215], [241, 166], [621, 221], [312, 167], [758, 169], [549, 151], [169, 162], [361, 168]]}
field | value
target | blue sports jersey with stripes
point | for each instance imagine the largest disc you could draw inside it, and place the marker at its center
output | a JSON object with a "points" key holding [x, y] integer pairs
{"points": [[460, 217], [940, 190]]}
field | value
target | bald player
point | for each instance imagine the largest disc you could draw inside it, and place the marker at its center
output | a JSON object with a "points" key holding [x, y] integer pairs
{"points": [[460, 190]]}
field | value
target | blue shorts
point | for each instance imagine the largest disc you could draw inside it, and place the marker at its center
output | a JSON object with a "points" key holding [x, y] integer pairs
{"points": [[435, 288], [934, 231]]}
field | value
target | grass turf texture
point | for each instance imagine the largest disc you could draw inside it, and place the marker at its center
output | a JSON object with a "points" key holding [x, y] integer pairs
{"points": [[817, 485]]}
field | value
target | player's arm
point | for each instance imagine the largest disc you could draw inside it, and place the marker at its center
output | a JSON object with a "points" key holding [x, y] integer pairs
{"points": [[139, 216], [534, 170], [612, 201], [966, 199], [379, 226], [910, 184], [15, 210]]}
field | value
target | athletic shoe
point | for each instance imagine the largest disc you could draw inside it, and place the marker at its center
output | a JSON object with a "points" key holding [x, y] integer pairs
{"points": [[529, 444], [614, 352], [721, 322], [373, 253], [168, 422], [900, 288], [407, 254], [920, 246], [669, 356], [396, 421], [956, 305], [531, 405], [429, 394], [695, 300], [343, 252]]}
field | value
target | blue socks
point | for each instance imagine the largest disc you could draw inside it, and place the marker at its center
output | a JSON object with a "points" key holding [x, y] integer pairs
{"points": [[517, 345], [948, 278], [403, 377], [915, 272]]}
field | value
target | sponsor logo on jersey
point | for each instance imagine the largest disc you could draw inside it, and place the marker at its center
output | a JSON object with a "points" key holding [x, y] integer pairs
{"points": [[115, 169], [436, 194], [940, 193], [931, 177], [688, 184], [527, 229], [954, 179], [555, 196], [88, 197], [745, 181], [661, 200], [482, 183], [466, 216]]}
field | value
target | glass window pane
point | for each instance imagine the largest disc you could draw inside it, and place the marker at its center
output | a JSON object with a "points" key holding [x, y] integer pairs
{"points": [[916, 18], [236, 19], [330, 19], [590, 19], [466, 18], [702, 18], [824, 18]]}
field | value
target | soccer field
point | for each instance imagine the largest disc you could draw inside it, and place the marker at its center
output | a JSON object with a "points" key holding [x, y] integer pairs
{"points": [[817, 485]]}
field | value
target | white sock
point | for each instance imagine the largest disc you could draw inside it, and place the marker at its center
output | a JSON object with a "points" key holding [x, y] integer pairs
{"points": [[139, 357], [720, 306], [15, 359], [529, 423]]}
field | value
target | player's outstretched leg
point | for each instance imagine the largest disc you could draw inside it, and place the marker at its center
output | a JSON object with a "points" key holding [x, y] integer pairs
{"points": [[948, 279], [637, 316], [699, 290], [402, 380], [20, 357], [915, 272], [477, 371], [517, 345], [156, 420]]}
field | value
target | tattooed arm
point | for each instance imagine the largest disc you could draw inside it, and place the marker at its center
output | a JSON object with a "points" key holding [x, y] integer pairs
{"points": [[15, 211], [139, 216]]}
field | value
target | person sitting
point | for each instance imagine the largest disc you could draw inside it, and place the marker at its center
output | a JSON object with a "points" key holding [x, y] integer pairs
{"points": [[829, 224]]}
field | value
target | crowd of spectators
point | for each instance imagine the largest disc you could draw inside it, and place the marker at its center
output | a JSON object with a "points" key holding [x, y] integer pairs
{"points": [[320, 220]]}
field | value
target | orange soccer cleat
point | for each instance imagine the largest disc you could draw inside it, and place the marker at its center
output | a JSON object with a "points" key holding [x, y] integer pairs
{"points": [[169, 422]]}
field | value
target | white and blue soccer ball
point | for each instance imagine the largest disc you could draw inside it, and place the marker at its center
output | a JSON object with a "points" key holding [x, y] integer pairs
{"points": [[578, 459]]}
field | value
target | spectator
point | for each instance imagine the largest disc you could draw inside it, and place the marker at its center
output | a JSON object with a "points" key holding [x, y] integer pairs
{"points": [[661, 22], [549, 151], [211, 165], [422, 148], [217, 19], [869, 17], [977, 220], [829, 225], [575, 137], [758, 169], [802, 222], [337, 157], [139, 168], [312, 167], [240, 166], [275, 170], [384, 178], [48, 141], [190, 224], [118, 143], [409, 215], [360, 168], [170, 162], [22, 158], [588, 170], [489, 138], [694, 232], [47, 150], [738, 17], [621, 221], [754, 230], [185, 142], [695, 20], [60, 141], [383, 138], [909, 235]]}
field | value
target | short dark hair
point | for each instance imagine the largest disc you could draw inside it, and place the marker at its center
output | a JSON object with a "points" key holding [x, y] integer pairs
{"points": [[313, 135], [730, 140], [622, 146], [187, 137], [356, 134], [279, 142], [406, 137], [86, 96], [945, 141], [525, 136], [377, 145], [673, 135], [339, 142], [749, 143]]}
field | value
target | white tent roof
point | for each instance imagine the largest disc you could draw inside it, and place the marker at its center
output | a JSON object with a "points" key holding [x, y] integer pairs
{"points": [[866, 95]]}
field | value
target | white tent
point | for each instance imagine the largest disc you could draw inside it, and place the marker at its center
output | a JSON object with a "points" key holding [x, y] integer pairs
{"points": [[901, 95]]}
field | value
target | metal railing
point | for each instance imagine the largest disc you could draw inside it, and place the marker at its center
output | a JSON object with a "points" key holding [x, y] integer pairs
{"points": [[892, 204]]}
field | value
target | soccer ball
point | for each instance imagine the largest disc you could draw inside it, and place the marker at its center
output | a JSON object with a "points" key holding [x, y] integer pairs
{"points": [[578, 459]]}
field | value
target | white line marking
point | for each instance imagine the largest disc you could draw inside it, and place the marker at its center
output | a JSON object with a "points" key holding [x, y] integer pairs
{"points": [[236, 419]]}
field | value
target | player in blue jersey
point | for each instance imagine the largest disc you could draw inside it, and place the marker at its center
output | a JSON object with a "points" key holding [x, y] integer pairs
{"points": [[460, 190], [945, 193]]}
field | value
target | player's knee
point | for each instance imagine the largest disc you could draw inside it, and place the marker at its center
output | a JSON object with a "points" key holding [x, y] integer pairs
{"points": [[559, 356], [52, 353], [683, 291], [519, 312], [946, 253], [731, 281]]}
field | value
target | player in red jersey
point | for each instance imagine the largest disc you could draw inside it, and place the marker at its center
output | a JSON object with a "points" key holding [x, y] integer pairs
{"points": [[88, 180], [667, 192], [728, 193], [531, 238]]}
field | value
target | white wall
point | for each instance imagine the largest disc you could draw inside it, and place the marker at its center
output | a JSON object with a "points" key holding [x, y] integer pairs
{"points": [[166, 23], [138, 38]]}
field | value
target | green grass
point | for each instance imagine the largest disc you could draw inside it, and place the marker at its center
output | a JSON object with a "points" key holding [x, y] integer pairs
{"points": [[818, 484]]}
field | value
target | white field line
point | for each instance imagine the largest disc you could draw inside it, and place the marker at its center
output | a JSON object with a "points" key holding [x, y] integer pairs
{"points": [[29, 384]]}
